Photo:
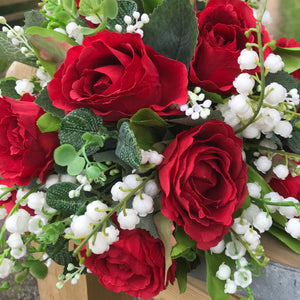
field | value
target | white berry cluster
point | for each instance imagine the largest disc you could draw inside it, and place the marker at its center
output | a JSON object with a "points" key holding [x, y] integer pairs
{"points": [[24, 86], [197, 106], [135, 24], [151, 157], [85, 184], [17, 37], [73, 274], [142, 203]]}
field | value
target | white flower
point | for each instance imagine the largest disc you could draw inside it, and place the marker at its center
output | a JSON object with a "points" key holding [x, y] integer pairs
{"points": [[281, 171], [3, 213], [94, 20], [274, 63], [24, 86], [244, 83], [252, 238], [289, 211], [80, 225], [263, 164], [240, 226], [151, 188], [254, 189], [219, 248], [93, 210], [113, 234], [36, 200], [262, 221], [18, 253], [250, 212], [36, 224], [293, 228], [284, 128], [230, 287], [51, 179], [248, 59], [132, 180], [239, 105], [15, 240], [235, 250], [99, 244], [242, 277], [6, 267], [73, 30], [18, 222], [274, 197], [267, 18], [143, 204], [130, 220], [251, 132], [276, 94], [223, 272], [155, 157], [119, 191], [3, 188]]}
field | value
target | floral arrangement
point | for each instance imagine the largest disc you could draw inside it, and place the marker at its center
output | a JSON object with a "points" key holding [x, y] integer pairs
{"points": [[155, 135]]}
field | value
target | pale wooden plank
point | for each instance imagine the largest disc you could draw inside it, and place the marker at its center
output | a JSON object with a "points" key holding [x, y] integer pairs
{"points": [[10, 2], [20, 71], [14, 16]]}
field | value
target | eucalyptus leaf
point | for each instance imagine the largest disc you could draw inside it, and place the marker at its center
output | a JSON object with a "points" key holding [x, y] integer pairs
{"points": [[175, 36], [76, 166], [127, 147], [57, 197]]}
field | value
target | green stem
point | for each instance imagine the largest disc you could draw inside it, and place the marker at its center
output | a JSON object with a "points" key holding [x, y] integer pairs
{"points": [[105, 219], [8, 190]]}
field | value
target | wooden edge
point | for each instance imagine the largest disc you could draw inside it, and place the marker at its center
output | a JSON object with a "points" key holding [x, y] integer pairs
{"points": [[20, 71]]}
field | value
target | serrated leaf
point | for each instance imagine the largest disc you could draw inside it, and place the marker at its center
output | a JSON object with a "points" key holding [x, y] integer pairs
{"points": [[183, 243], [290, 57], [33, 18], [75, 124], [48, 123], [285, 238], [125, 7], [39, 270], [294, 142], [7, 87], [45, 102], [165, 229], [215, 286], [175, 36], [10, 52], [21, 276], [127, 147], [59, 252], [150, 5], [57, 197], [76, 166]]}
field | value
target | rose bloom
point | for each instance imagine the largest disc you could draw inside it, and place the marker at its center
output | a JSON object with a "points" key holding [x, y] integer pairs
{"points": [[291, 43], [203, 181], [115, 75], [221, 26], [135, 264], [25, 152]]}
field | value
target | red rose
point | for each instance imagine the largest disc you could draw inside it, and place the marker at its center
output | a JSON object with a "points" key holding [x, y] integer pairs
{"points": [[290, 187], [115, 75], [203, 180], [291, 43], [135, 265], [221, 26], [25, 152]]}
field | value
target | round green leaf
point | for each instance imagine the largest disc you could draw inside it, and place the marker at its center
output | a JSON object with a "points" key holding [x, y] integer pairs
{"points": [[92, 172], [76, 166], [39, 270], [65, 154]]}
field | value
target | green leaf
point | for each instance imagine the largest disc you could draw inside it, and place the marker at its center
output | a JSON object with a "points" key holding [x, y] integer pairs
{"points": [[90, 8], [39, 270], [285, 79], [110, 8], [165, 229], [92, 172], [52, 232], [147, 223], [148, 127], [65, 154], [182, 268], [150, 5], [76, 166], [214, 97], [75, 124], [294, 142], [68, 5], [21, 276], [57, 197], [245, 205], [59, 252], [290, 57], [33, 18], [183, 243], [5, 286], [48, 123], [284, 237], [174, 36], [127, 147], [125, 7], [215, 286], [10, 52], [49, 46], [45, 102], [7, 87]]}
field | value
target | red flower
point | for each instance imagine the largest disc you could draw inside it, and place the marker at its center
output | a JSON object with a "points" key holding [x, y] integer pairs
{"points": [[221, 38], [115, 75], [203, 180], [291, 43], [135, 265], [25, 152]]}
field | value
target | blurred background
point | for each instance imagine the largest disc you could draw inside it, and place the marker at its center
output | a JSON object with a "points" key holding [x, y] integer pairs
{"points": [[286, 22]]}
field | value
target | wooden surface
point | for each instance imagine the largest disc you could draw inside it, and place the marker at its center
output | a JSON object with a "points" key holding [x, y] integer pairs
{"points": [[20, 71]]}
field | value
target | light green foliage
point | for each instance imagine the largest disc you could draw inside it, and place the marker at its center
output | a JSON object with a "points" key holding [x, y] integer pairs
{"points": [[7, 87], [47, 122]]}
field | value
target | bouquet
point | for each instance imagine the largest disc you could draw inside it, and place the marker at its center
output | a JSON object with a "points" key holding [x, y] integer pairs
{"points": [[156, 134]]}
